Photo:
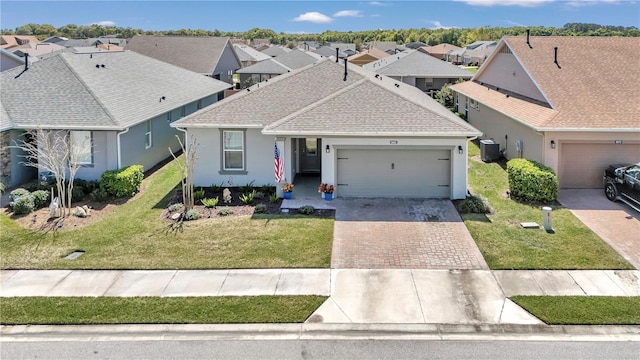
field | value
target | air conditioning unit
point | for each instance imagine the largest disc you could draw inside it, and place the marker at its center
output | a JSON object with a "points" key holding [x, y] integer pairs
{"points": [[489, 150]]}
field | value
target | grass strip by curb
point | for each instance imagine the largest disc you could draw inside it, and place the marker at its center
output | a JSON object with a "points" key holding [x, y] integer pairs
{"points": [[583, 310], [157, 310]]}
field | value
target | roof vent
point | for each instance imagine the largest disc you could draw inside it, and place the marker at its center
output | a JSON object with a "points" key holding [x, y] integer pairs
{"points": [[337, 51], [555, 57], [396, 85], [528, 43], [345, 70]]}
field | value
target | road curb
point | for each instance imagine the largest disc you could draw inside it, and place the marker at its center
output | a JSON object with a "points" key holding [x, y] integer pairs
{"points": [[309, 331]]}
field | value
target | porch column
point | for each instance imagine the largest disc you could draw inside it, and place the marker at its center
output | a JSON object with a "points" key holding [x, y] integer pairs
{"points": [[284, 156]]}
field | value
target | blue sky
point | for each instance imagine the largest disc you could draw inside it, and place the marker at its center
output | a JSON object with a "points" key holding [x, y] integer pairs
{"points": [[315, 16]]}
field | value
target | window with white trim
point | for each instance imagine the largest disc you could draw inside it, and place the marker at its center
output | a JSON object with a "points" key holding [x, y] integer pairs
{"points": [[233, 150], [147, 136], [81, 147]]}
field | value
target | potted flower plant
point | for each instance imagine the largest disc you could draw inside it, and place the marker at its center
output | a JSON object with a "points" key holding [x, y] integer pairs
{"points": [[327, 190], [287, 189]]}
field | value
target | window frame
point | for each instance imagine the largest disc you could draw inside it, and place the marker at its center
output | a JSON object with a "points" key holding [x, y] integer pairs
{"points": [[148, 136], [223, 166], [72, 143]]}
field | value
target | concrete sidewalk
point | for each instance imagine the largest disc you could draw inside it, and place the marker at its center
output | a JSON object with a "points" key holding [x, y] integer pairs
{"points": [[356, 296]]}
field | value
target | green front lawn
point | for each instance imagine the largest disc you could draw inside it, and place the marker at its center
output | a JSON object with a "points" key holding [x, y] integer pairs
{"points": [[506, 245], [157, 310], [134, 236], [582, 310]]}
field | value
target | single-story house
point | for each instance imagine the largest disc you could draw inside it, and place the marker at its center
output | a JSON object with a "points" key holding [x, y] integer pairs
{"points": [[248, 55], [474, 53], [557, 100], [122, 102], [367, 134], [441, 51], [9, 60], [281, 64], [275, 50], [11, 41], [207, 55], [419, 69]]}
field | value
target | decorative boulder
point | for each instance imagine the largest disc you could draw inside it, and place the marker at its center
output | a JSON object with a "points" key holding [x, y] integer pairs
{"points": [[87, 210], [79, 212]]}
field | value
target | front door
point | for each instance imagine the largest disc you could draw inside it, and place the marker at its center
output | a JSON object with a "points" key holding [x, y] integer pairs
{"points": [[309, 155]]}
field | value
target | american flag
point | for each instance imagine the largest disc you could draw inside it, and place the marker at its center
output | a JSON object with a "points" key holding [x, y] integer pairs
{"points": [[279, 170]]}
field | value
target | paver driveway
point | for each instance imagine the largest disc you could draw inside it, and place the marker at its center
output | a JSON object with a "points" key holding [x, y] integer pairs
{"points": [[402, 234]]}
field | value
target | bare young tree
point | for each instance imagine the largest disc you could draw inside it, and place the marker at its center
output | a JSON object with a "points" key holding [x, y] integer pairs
{"points": [[186, 167], [55, 152]]}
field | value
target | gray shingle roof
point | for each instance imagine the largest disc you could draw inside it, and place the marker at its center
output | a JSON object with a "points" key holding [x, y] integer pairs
{"points": [[316, 100], [68, 91], [196, 53], [297, 58], [269, 66], [416, 63], [275, 51], [247, 53], [327, 51]]}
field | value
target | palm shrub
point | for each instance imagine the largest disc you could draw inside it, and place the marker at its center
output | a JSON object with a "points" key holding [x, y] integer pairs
{"points": [[210, 203], [248, 197], [198, 194]]}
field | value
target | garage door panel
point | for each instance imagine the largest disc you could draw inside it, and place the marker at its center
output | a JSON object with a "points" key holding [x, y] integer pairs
{"points": [[406, 173], [582, 164]]}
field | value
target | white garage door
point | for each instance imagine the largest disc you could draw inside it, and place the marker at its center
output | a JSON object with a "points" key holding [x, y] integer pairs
{"points": [[390, 173], [581, 165]]}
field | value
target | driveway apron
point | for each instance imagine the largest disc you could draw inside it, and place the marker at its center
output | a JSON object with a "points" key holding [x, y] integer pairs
{"points": [[381, 233], [616, 223]]}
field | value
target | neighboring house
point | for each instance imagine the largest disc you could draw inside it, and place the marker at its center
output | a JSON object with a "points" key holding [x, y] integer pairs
{"points": [[248, 55], [363, 58], [350, 52], [260, 42], [474, 53], [207, 55], [419, 69], [9, 60], [326, 51], [55, 40], [11, 41], [342, 46], [123, 102], [278, 65], [77, 43], [367, 134], [111, 40], [440, 51], [576, 112], [276, 50], [110, 47], [415, 45], [309, 45], [383, 45], [38, 50]]}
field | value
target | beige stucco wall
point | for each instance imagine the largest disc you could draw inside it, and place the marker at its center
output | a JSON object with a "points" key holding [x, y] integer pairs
{"points": [[496, 126], [505, 72]]}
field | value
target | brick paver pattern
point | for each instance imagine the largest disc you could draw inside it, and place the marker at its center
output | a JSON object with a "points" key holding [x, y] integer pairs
{"points": [[402, 234]]}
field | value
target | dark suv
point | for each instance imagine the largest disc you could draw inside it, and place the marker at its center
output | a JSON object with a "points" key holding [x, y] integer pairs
{"points": [[622, 182]]}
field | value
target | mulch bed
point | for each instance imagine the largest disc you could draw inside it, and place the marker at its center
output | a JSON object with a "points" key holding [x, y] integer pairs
{"points": [[236, 205]]}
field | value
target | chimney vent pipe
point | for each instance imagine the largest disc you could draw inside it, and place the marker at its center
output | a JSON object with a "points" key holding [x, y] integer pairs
{"points": [[345, 70], [528, 43], [337, 51]]}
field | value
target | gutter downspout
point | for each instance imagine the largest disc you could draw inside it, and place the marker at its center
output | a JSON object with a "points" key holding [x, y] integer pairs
{"points": [[120, 150]]}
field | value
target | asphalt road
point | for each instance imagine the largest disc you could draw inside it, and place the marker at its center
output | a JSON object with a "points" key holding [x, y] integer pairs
{"points": [[320, 349]]}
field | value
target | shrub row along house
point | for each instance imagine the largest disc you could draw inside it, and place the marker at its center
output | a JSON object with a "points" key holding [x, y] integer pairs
{"points": [[121, 102], [570, 103]]}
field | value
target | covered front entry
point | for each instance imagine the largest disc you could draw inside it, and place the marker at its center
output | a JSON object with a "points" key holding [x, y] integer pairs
{"points": [[582, 164], [416, 173]]}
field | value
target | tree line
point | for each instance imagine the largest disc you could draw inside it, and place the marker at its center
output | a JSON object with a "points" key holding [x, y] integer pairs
{"points": [[455, 36]]}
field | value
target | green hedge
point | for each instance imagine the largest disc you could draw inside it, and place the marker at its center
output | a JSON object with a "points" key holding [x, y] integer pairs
{"points": [[124, 182], [532, 181]]}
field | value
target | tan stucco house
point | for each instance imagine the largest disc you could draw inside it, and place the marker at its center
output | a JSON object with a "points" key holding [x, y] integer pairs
{"points": [[568, 102]]}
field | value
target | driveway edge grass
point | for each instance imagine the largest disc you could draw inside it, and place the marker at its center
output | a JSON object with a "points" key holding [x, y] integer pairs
{"points": [[157, 310], [583, 310]]}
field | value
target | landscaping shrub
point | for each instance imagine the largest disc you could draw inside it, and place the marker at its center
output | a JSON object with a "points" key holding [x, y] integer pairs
{"points": [[41, 198], [306, 210], [248, 197], [191, 214], [198, 194], [17, 193], [474, 205], [217, 188], [225, 211], [99, 195], [175, 207], [258, 195], [531, 181], [267, 188], [77, 193], [273, 198], [124, 182], [260, 208], [24, 205], [247, 188], [210, 203]]}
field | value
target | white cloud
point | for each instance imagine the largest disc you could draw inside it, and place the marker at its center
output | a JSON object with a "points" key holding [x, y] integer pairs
{"points": [[511, 22], [350, 13], [105, 23], [377, 3], [438, 25], [375, 15], [523, 3], [591, 2], [314, 17]]}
